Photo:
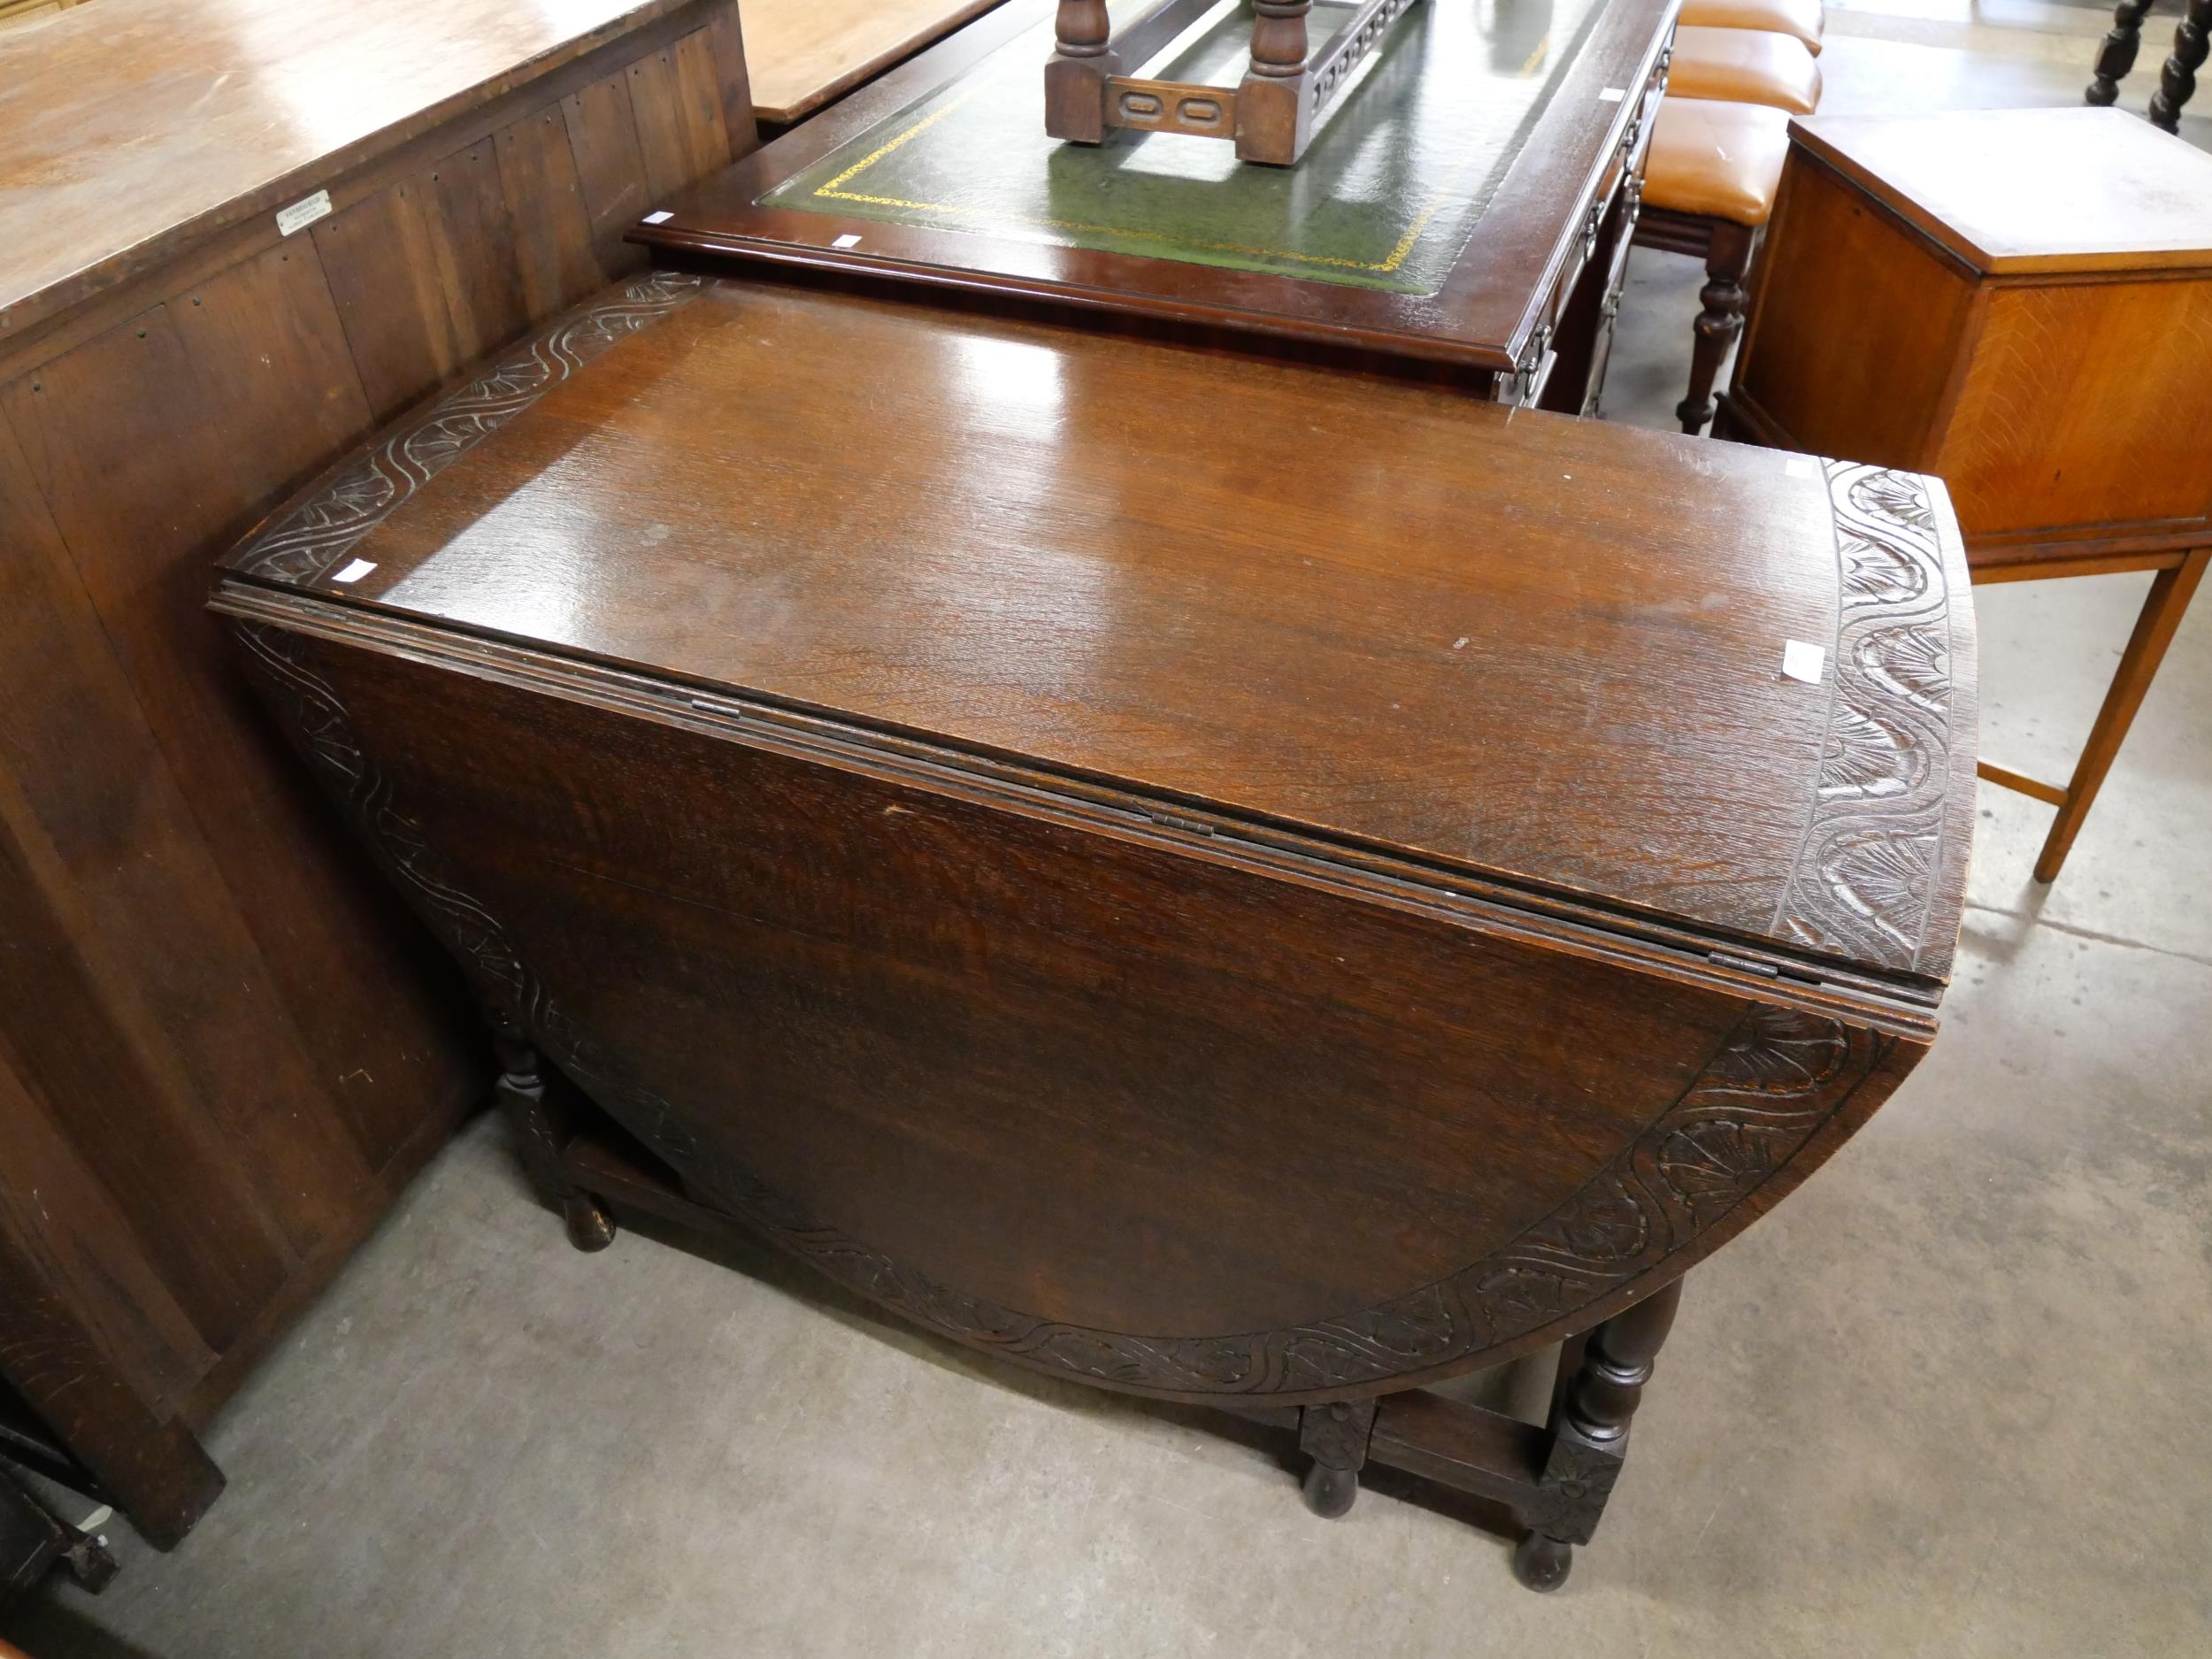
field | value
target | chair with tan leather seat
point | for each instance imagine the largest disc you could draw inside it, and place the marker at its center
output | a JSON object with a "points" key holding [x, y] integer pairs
{"points": [[1710, 182], [1744, 66], [1802, 19]]}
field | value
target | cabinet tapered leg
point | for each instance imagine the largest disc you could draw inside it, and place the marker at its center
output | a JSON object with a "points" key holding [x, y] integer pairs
{"points": [[542, 1137], [1335, 1436], [1590, 1422], [2155, 628]]}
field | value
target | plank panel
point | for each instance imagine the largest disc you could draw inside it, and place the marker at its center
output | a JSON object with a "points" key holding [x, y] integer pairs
{"points": [[382, 266], [602, 139], [266, 344], [555, 260], [676, 95], [138, 474], [474, 243]]}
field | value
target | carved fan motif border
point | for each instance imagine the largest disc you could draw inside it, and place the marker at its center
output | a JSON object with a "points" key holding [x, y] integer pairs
{"points": [[314, 534], [1866, 873], [1776, 1078]]}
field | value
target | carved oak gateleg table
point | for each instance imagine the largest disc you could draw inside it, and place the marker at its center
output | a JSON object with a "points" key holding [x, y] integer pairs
{"points": [[918, 817]]}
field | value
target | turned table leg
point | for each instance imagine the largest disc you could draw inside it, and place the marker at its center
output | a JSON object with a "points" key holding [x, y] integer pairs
{"points": [[2192, 39], [2116, 56], [1335, 1436], [1726, 259], [1590, 1436], [541, 1137]]}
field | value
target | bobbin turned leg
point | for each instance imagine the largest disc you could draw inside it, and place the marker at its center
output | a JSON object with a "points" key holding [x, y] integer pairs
{"points": [[2116, 56], [1589, 1426], [542, 1137], [2178, 79], [1720, 322], [1335, 1436]]}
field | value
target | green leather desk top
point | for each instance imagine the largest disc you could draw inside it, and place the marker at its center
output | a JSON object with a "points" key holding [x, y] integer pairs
{"points": [[1406, 159], [1443, 207]]}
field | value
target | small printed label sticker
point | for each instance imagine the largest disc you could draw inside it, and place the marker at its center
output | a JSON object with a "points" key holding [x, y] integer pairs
{"points": [[1801, 661], [1800, 466], [355, 572], [1612, 95], [848, 240], [302, 213], [660, 218]]}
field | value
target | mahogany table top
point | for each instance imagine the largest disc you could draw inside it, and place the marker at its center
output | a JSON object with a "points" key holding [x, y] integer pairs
{"points": [[1442, 197], [1530, 656]]}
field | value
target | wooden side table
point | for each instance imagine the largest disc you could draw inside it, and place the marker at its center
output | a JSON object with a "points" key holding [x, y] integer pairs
{"points": [[2020, 301]]}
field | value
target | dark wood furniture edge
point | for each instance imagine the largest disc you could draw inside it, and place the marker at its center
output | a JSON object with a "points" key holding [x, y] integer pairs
{"points": [[65, 313], [316, 530], [1133, 284]]}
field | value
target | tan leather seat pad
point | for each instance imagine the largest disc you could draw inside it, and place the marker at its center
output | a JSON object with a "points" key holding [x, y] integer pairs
{"points": [[1719, 160], [1803, 19], [1745, 67]]}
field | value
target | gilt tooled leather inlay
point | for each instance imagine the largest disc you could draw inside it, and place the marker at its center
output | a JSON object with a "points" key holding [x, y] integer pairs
{"points": [[1778, 1076], [320, 530], [1869, 863]]}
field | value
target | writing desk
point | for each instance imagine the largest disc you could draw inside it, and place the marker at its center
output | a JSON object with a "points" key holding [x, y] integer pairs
{"points": [[1466, 207]]}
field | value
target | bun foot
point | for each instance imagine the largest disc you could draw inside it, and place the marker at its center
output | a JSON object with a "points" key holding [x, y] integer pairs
{"points": [[1330, 1491], [1541, 1562], [589, 1226]]}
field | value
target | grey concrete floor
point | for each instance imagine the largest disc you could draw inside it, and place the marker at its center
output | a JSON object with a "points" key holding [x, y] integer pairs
{"points": [[1948, 1401]]}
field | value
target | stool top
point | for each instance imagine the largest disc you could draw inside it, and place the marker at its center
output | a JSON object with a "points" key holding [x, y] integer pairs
{"points": [[2022, 191]]}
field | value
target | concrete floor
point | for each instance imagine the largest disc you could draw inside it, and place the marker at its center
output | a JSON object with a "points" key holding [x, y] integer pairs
{"points": [[1947, 1401]]}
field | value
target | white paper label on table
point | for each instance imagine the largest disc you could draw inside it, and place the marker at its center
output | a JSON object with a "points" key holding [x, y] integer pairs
{"points": [[355, 572], [1801, 661], [302, 213], [660, 218], [847, 239]]}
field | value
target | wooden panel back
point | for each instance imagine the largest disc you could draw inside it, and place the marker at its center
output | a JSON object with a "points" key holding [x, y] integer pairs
{"points": [[1856, 325], [2086, 403]]}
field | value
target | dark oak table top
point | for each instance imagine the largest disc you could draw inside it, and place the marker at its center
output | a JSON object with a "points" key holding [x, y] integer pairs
{"points": [[1432, 217], [128, 130], [1521, 653]]}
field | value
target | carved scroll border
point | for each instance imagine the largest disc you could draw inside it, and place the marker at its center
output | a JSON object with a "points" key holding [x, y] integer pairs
{"points": [[1777, 1078], [1867, 870], [316, 533]]}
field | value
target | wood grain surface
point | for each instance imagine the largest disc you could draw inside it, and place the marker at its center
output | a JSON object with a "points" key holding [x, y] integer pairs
{"points": [[2014, 192], [806, 53], [1498, 626], [129, 130]]}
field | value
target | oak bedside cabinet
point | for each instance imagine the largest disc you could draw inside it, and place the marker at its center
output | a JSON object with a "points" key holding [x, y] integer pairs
{"points": [[2019, 300]]}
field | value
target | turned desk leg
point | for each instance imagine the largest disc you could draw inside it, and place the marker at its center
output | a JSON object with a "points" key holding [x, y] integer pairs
{"points": [[541, 1137], [1590, 1436], [2116, 56], [1727, 257], [2192, 39], [1335, 1436], [2154, 627], [1076, 77]]}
